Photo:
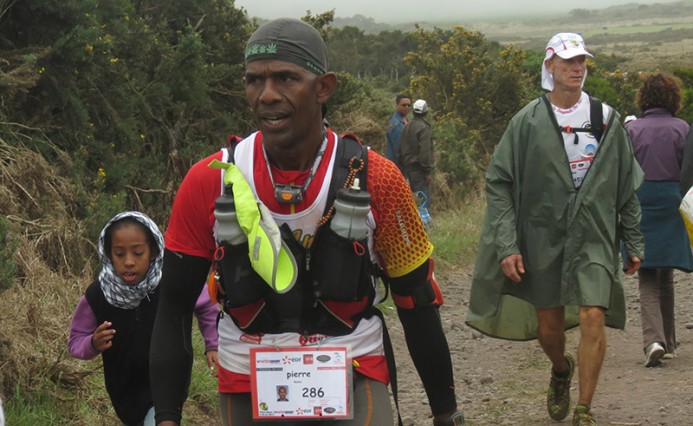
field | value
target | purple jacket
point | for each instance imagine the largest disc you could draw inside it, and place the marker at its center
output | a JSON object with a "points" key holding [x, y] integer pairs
{"points": [[84, 323], [658, 140]]}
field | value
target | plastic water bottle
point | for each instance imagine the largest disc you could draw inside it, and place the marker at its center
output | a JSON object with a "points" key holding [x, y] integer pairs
{"points": [[425, 216], [351, 209], [228, 229]]}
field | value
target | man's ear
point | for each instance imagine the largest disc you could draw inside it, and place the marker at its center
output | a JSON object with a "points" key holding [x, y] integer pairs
{"points": [[326, 85], [549, 64]]}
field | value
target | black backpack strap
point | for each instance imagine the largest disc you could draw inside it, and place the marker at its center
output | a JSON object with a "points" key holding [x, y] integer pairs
{"points": [[596, 118], [350, 156], [232, 141], [230, 146]]}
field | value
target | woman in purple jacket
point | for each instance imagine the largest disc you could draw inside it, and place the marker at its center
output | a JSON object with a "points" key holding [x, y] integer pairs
{"points": [[116, 315], [658, 138]]}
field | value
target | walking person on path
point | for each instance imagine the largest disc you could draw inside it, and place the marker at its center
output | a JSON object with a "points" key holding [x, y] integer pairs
{"points": [[560, 194], [658, 138]]}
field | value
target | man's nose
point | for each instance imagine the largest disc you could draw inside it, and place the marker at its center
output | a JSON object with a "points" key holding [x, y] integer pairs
{"points": [[269, 92]]}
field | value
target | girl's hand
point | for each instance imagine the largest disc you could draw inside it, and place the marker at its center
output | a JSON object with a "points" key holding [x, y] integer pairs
{"points": [[102, 338], [212, 362]]}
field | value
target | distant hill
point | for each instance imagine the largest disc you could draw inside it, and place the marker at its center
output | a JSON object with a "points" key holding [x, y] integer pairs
{"points": [[629, 12], [646, 36]]}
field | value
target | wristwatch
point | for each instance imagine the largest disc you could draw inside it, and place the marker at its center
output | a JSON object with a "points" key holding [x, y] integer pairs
{"points": [[456, 419]]}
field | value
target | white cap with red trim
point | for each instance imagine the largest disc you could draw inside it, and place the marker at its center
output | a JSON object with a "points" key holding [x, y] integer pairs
{"points": [[565, 45]]}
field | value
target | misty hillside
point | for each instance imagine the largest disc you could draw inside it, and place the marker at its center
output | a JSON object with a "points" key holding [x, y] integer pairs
{"points": [[640, 36], [631, 13]]}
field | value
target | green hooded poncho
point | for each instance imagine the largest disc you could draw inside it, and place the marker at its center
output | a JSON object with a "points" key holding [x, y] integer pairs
{"points": [[569, 239]]}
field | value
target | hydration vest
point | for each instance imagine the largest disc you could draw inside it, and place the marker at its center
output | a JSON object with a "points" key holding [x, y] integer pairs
{"points": [[336, 281], [596, 126]]}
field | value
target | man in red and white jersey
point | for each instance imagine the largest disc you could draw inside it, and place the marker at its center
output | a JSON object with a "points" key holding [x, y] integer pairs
{"points": [[293, 166]]}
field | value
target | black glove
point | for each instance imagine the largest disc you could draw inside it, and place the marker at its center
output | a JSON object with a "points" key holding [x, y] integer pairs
{"points": [[456, 419]]}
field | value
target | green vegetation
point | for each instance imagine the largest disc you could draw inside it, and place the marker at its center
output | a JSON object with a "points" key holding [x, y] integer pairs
{"points": [[81, 398], [104, 106], [8, 244], [455, 233]]}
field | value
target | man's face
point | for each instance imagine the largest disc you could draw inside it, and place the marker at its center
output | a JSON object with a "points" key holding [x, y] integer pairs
{"points": [[284, 98], [568, 74], [403, 106]]}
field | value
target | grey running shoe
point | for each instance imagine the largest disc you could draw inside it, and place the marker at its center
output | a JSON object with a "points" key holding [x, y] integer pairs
{"points": [[653, 353], [558, 396]]}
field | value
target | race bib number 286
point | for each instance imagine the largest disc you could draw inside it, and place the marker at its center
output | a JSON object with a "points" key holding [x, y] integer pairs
{"points": [[300, 383]]}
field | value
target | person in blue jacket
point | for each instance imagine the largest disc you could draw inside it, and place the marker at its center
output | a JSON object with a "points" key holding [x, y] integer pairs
{"points": [[394, 127]]}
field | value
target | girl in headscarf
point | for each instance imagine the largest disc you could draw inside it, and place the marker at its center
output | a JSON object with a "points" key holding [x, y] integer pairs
{"points": [[116, 315]]}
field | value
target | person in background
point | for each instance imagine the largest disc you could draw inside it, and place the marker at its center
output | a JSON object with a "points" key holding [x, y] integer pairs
{"points": [[416, 151], [287, 170], [658, 138], [560, 197], [115, 316], [394, 127]]}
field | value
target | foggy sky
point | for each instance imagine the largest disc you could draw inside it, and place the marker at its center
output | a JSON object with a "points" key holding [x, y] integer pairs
{"points": [[400, 11]]}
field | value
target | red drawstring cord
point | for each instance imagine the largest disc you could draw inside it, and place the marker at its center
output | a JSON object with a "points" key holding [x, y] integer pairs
{"points": [[359, 249]]}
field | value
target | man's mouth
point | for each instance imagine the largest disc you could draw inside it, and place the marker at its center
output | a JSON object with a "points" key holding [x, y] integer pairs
{"points": [[274, 119]]}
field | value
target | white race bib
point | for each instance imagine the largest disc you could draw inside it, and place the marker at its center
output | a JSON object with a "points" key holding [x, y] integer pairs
{"points": [[301, 383]]}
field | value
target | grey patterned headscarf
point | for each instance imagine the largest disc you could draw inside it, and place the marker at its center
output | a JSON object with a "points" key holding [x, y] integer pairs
{"points": [[116, 291]]}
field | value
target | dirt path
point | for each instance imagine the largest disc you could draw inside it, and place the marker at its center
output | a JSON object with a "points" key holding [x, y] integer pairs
{"points": [[503, 383]]}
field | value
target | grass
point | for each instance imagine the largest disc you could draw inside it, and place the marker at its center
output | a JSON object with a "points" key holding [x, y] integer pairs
{"points": [[634, 29], [455, 232], [202, 394], [50, 403]]}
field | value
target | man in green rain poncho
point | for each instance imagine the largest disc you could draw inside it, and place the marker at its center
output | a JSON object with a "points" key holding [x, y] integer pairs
{"points": [[561, 196]]}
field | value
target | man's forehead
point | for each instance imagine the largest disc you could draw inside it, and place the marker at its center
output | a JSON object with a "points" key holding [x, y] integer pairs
{"points": [[273, 66], [578, 58]]}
